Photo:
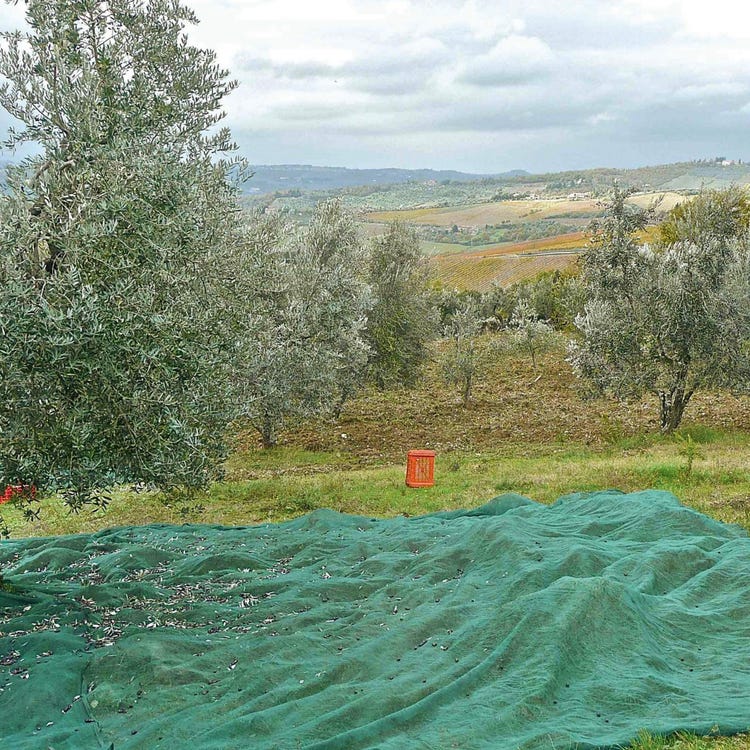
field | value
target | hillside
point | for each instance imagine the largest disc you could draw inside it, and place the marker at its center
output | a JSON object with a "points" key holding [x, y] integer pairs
{"points": [[487, 229], [268, 178], [297, 186]]}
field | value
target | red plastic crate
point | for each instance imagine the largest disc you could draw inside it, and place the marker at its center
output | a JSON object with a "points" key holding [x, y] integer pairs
{"points": [[18, 489], [420, 468]]}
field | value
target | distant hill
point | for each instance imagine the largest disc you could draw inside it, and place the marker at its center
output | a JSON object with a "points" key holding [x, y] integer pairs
{"points": [[388, 189], [268, 178], [298, 188], [688, 176]]}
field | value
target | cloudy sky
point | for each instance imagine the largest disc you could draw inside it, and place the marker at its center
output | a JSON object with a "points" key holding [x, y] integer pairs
{"points": [[482, 85]]}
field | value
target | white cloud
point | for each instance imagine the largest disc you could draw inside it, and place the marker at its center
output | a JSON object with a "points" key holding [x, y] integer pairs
{"points": [[477, 84], [718, 19], [513, 59]]}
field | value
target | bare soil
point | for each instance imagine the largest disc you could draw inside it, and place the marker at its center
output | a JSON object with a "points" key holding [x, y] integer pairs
{"points": [[512, 406]]}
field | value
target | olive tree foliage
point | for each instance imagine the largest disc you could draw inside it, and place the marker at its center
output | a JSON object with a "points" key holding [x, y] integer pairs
{"points": [[667, 322], [554, 296], [463, 359], [115, 340], [528, 333], [403, 319], [304, 352], [713, 215]]}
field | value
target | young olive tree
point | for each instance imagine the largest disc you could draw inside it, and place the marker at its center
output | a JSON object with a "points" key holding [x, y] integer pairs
{"points": [[303, 352], [403, 320], [554, 296], [114, 346], [463, 360], [528, 333], [667, 322]]}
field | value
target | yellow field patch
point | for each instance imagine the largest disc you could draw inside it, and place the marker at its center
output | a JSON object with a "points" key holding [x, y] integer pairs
{"points": [[489, 213], [512, 262], [667, 201], [479, 274], [481, 214]]}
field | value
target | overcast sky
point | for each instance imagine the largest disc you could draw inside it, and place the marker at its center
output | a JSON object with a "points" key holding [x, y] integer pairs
{"points": [[481, 85]]}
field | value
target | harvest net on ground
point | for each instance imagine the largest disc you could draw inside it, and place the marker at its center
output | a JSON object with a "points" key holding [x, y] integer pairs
{"points": [[512, 625]]}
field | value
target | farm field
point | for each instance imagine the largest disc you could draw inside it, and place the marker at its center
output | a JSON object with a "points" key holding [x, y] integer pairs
{"points": [[481, 273], [510, 263], [514, 211], [462, 265], [491, 213], [666, 201], [444, 248]]}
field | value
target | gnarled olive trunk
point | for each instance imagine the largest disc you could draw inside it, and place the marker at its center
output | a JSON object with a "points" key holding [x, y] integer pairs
{"points": [[673, 405], [268, 432]]}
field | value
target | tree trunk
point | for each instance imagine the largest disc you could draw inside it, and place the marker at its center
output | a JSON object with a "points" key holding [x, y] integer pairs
{"points": [[467, 390], [268, 432], [344, 396], [673, 405], [532, 351]]}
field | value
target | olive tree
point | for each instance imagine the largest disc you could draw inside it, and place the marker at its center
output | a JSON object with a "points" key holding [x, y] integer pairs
{"points": [[303, 351], [667, 322], [712, 215], [114, 347], [463, 359], [528, 333], [403, 319]]}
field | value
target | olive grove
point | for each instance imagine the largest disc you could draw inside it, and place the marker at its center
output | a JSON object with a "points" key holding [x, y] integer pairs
{"points": [[668, 321]]}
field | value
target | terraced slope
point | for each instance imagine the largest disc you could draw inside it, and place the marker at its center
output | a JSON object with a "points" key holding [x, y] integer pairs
{"points": [[508, 263]]}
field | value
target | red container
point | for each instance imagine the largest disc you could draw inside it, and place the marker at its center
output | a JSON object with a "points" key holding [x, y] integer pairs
{"points": [[18, 489], [420, 468]]}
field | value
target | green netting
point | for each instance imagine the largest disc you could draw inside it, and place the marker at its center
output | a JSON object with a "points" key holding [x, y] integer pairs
{"points": [[513, 625]]}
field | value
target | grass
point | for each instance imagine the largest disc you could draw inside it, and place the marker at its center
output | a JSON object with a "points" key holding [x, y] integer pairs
{"points": [[275, 486], [536, 437], [687, 741]]}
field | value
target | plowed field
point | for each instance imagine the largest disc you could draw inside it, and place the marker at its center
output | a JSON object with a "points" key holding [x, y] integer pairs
{"points": [[508, 263]]}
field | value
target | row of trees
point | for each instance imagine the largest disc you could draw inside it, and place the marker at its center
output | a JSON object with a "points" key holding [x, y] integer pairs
{"points": [[142, 311], [326, 313], [666, 319]]}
